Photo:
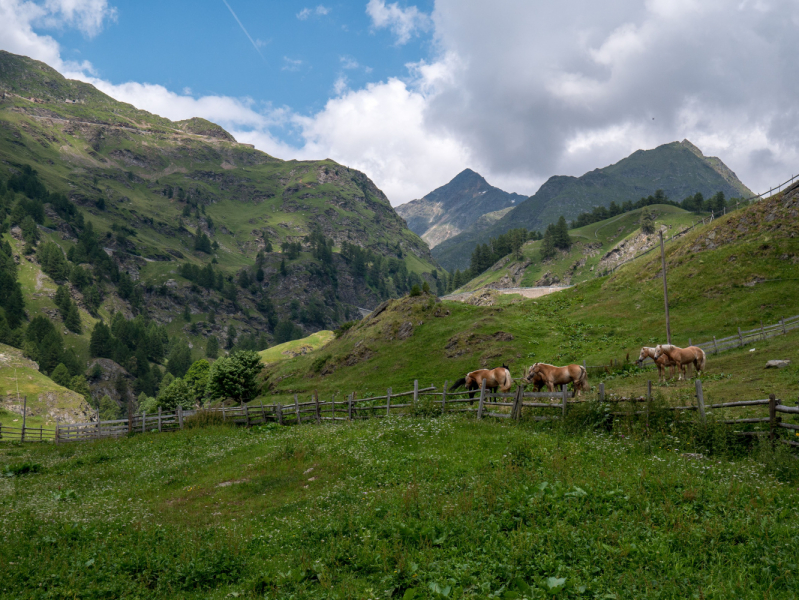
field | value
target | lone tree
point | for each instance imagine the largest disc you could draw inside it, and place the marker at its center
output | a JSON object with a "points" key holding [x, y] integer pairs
{"points": [[647, 222], [235, 376]]}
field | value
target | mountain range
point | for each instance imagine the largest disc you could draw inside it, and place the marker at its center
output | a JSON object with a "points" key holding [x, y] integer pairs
{"points": [[678, 168]]}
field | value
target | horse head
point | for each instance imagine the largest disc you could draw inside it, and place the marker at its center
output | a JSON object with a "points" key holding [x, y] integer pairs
{"points": [[644, 353], [659, 351]]}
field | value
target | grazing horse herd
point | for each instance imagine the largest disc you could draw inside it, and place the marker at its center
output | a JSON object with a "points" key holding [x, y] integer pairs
{"points": [[542, 374]]}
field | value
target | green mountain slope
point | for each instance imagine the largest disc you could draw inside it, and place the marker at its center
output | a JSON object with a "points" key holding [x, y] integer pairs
{"points": [[454, 207], [151, 186], [678, 168], [734, 272], [596, 249]]}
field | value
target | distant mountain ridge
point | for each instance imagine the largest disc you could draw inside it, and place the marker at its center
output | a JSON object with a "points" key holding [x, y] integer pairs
{"points": [[678, 168], [454, 207]]}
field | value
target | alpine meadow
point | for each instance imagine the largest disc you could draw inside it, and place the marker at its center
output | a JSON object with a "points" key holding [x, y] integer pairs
{"points": [[225, 374]]}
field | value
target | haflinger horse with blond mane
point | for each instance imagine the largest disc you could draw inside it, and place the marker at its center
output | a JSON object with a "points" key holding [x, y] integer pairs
{"points": [[498, 378], [542, 374], [661, 362], [682, 356]]}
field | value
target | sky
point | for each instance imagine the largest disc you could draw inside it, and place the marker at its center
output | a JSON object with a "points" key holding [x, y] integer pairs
{"points": [[413, 92]]}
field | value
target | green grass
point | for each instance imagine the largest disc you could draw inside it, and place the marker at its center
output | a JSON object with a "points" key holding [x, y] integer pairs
{"points": [[398, 508], [282, 351]]}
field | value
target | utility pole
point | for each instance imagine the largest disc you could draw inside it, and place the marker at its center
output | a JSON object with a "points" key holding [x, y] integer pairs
{"points": [[665, 289]]}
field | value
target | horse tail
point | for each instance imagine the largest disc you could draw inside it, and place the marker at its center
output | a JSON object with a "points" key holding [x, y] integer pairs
{"points": [[583, 380], [459, 383], [700, 360]]}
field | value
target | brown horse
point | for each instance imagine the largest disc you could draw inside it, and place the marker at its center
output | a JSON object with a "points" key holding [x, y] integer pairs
{"points": [[661, 362], [682, 356], [541, 374], [494, 378]]}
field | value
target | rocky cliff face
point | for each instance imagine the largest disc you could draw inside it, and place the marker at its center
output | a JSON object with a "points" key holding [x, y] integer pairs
{"points": [[448, 210]]}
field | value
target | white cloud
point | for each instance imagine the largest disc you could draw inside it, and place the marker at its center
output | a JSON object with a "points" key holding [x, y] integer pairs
{"points": [[88, 16], [319, 11], [291, 64], [403, 22]]}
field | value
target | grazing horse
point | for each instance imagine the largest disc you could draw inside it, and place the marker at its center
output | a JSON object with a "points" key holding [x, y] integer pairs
{"points": [[543, 374], [494, 378], [661, 362], [682, 356]]}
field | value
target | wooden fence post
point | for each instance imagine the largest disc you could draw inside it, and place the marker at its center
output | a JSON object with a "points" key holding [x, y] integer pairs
{"points": [[279, 413], [130, 416], [159, 419], [333, 407], [482, 400], [246, 408], [224, 416], [444, 398], [515, 410], [772, 417], [143, 421], [602, 391], [263, 412], [388, 401], [715, 346], [180, 416], [56, 431], [782, 322], [700, 399], [297, 410], [565, 391], [762, 330], [24, 415], [318, 410], [415, 394], [349, 406], [741, 337]]}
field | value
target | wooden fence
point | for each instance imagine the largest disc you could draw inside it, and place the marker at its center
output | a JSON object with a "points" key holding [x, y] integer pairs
{"points": [[26, 434], [427, 402], [774, 419]]}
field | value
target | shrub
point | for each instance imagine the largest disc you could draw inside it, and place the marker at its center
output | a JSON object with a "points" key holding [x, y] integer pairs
{"points": [[204, 418]]}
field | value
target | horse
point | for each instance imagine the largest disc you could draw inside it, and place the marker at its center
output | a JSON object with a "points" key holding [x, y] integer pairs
{"points": [[543, 374], [662, 362], [682, 356], [494, 378]]}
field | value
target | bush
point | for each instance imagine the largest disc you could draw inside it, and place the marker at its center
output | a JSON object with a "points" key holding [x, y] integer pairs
{"points": [[205, 418], [415, 291]]}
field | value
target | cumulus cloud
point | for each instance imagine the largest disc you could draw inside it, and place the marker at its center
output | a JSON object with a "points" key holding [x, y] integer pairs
{"points": [[319, 11], [543, 88], [404, 23]]}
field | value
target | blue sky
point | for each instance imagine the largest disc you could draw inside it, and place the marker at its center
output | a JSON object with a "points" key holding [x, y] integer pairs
{"points": [[200, 47], [412, 92]]}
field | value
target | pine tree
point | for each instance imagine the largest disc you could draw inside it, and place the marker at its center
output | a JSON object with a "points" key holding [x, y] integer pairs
{"points": [[561, 234], [212, 347], [72, 319], [548, 244], [62, 300]]}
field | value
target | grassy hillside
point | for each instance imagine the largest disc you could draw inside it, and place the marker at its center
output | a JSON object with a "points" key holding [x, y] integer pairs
{"points": [[588, 257], [734, 272], [288, 350], [177, 224], [46, 399], [387, 509], [678, 169]]}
